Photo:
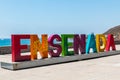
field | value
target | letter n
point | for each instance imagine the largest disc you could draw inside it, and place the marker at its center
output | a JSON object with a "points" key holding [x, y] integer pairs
{"points": [[37, 46], [79, 43]]}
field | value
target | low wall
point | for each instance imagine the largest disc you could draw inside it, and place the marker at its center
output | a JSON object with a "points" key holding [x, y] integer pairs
{"points": [[7, 50], [117, 42]]}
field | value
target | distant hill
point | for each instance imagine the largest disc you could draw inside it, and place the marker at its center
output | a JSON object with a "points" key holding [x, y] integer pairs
{"points": [[115, 31]]}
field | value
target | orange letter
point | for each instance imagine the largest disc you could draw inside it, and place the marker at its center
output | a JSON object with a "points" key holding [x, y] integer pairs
{"points": [[36, 45]]}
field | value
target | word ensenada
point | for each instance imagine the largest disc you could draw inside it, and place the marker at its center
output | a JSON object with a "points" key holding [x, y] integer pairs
{"points": [[81, 45]]}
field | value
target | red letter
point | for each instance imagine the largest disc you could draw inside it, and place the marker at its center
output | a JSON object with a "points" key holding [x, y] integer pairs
{"points": [[16, 48], [51, 43], [110, 43]]}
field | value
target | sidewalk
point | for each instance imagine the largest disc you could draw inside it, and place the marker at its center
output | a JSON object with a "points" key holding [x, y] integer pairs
{"points": [[105, 68]]}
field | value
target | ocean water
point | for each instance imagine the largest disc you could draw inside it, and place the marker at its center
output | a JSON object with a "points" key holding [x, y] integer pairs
{"points": [[7, 42]]}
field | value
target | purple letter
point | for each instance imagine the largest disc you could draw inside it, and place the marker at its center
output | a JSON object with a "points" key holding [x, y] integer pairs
{"points": [[57, 46], [79, 43]]}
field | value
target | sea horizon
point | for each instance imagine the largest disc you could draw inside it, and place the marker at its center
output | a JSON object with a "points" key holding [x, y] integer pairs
{"points": [[7, 42]]}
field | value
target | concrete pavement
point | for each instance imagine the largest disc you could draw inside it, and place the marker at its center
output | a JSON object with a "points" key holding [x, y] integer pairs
{"points": [[105, 68]]}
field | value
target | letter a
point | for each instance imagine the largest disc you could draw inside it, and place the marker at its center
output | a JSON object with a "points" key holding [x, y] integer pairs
{"points": [[91, 43], [110, 43]]}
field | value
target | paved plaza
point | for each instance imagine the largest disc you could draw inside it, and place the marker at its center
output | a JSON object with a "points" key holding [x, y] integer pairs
{"points": [[105, 68]]}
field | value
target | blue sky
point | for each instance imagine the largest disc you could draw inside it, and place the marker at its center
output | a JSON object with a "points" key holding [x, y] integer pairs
{"points": [[58, 16]]}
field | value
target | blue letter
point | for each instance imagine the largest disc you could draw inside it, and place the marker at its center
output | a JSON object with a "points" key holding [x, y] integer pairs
{"points": [[91, 43]]}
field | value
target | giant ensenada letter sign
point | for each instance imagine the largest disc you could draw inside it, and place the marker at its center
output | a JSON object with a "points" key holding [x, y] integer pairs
{"points": [[81, 45], [54, 49]]}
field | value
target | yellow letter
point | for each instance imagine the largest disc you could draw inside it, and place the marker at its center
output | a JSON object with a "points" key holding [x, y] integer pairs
{"points": [[100, 42]]}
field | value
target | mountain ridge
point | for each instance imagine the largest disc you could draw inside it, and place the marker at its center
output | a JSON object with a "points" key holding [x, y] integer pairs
{"points": [[115, 31]]}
